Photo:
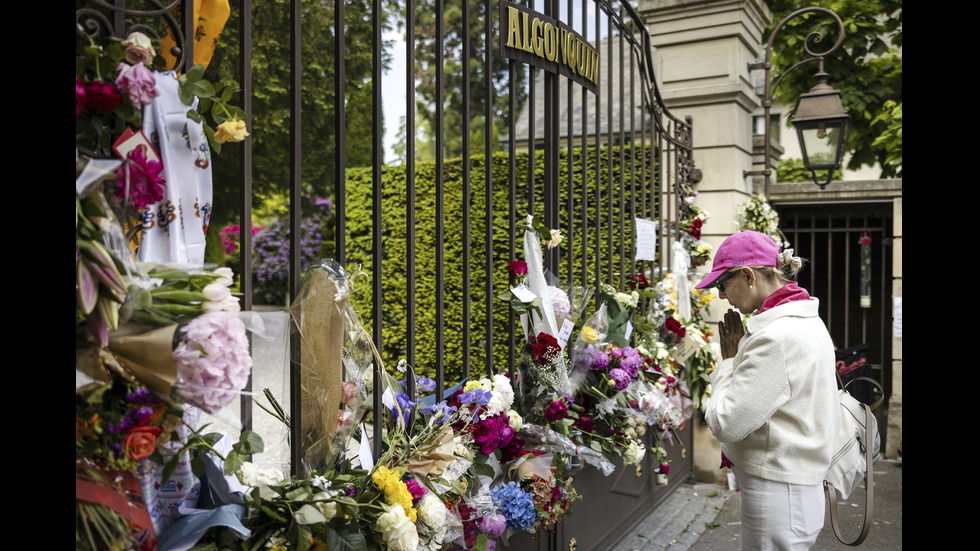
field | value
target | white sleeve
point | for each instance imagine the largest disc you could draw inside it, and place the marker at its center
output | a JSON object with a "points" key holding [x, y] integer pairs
{"points": [[747, 390]]}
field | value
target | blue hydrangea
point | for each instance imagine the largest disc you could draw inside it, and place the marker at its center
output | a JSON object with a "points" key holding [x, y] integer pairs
{"points": [[515, 504]]}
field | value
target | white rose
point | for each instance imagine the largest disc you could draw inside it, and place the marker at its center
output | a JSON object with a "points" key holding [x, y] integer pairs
{"points": [[634, 454], [431, 510], [261, 479], [328, 508], [556, 238], [514, 420], [139, 48], [398, 531]]}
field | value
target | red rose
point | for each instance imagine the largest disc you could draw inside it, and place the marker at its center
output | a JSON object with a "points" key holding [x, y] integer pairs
{"points": [[140, 442], [517, 268], [674, 327], [695, 230], [638, 281], [101, 95]]}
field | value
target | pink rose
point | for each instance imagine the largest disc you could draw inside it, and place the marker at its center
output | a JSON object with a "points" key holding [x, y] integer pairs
{"points": [[138, 82], [351, 393]]}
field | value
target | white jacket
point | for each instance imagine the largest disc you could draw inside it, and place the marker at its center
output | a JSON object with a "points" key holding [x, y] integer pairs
{"points": [[774, 406]]}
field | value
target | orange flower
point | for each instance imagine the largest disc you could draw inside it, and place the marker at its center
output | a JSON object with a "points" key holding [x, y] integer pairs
{"points": [[88, 428]]}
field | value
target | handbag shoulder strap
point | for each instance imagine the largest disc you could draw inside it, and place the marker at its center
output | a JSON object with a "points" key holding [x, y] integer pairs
{"points": [[869, 487]]}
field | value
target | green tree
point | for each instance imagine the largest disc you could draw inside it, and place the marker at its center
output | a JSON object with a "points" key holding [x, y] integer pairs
{"points": [[459, 65], [867, 69], [270, 126]]}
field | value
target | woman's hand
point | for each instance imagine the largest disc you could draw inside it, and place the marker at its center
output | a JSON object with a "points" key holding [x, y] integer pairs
{"points": [[731, 331]]}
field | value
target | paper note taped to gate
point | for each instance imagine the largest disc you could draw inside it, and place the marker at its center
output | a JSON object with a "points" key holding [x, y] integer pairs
{"points": [[646, 239]]}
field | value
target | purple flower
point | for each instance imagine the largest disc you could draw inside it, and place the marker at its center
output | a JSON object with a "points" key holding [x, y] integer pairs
{"points": [[404, 404], [493, 525], [600, 362], [631, 364], [620, 377], [415, 489], [442, 406], [476, 396]]}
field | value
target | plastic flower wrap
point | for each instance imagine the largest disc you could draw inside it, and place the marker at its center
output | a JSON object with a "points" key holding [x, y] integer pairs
{"points": [[620, 306]]}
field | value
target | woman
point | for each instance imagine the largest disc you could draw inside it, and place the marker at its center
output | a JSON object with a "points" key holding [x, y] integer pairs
{"points": [[773, 403]]}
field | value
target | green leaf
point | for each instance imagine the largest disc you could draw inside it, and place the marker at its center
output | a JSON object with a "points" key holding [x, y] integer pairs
{"points": [[198, 464], [345, 540], [195, 73], [309, 514], [249, 443], [233, 462]]}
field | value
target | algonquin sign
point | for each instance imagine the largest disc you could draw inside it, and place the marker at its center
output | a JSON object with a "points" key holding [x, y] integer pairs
{"points": [[539, 40]]}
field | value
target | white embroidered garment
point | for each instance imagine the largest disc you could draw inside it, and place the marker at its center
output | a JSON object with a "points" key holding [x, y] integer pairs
{"points": [[174, 228]]}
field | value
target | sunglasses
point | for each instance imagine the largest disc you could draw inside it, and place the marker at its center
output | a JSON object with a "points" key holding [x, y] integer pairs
{"points": [[721, 281]]}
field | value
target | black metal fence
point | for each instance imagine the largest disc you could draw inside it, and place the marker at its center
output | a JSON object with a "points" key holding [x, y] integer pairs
{"points": [[619, 132]]}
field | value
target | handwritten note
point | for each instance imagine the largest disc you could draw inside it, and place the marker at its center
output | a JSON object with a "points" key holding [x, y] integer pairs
{"points": [[646, 239]]}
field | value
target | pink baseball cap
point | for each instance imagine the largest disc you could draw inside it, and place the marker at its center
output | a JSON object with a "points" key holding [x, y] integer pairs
{"points": [[745, 248]]}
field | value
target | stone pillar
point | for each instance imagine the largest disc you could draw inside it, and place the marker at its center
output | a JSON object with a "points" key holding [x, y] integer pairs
{"points": [[894, 444], [703, 49]]}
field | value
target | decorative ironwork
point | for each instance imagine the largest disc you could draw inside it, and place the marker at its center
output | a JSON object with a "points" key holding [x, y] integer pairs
{"points": [[101, 21]]}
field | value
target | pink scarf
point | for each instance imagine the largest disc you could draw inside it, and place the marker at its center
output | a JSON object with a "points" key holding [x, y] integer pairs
{"points": [[787, 293]]}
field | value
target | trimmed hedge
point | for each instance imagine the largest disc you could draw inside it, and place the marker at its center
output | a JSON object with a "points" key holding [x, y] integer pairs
{"points": [[394, 244]]}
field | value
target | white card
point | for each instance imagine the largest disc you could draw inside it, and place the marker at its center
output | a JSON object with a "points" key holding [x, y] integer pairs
{"points": [[523, 293]]}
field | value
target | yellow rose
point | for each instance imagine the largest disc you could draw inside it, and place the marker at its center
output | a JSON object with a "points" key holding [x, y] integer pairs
{"points": [[589, 335], [231, 131]]}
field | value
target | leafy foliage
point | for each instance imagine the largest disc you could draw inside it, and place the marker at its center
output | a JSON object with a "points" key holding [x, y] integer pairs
{"points": [[458, 65], [867, 69], [359, 247], [271, 97]]}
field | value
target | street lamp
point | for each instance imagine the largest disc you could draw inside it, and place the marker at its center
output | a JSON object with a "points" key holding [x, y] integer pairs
{"points": [[821, 122]]}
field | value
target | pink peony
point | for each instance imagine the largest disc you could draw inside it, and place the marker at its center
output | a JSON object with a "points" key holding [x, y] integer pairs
{"points": [[492, 433], [620, 377], [213, 361], [145, 183], [138, 82]]}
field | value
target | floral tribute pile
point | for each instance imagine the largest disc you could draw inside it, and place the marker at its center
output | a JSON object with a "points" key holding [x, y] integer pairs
{"points": [[156, 345], [495, 457]]}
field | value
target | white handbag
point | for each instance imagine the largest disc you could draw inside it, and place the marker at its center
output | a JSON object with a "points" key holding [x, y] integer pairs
{"points": [[858, 446]]}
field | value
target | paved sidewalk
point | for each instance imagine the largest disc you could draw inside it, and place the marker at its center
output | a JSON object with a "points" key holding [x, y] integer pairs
{"points": [[705, 517]]}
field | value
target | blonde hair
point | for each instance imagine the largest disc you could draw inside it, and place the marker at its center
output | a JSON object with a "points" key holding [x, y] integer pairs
{"points": [[787, 268]]}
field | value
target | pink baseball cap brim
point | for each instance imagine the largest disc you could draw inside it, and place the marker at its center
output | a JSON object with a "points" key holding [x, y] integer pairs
{"points": [[745, 248]]}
